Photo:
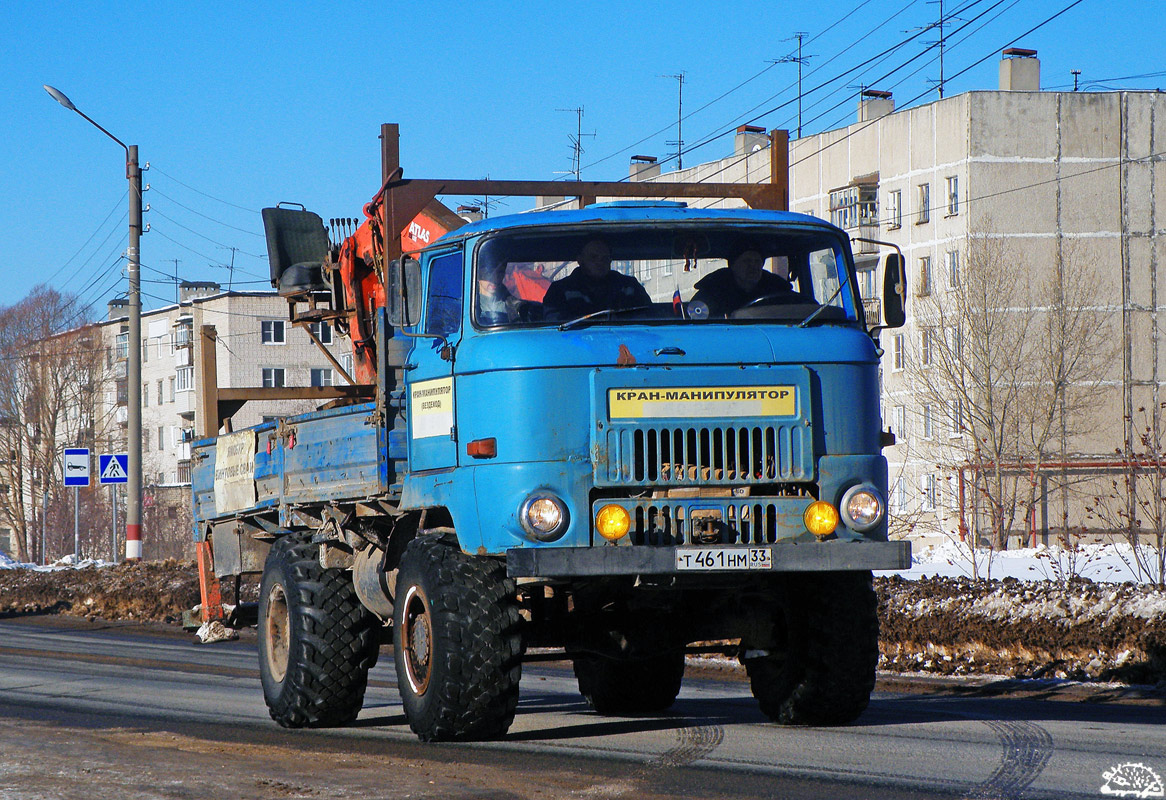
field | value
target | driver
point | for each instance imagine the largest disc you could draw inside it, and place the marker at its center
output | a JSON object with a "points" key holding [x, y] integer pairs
{"points": [[593, 286], [742, 282]]}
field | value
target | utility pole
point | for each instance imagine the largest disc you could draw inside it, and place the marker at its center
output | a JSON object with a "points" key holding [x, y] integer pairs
{"points": [[134, 366], [679, 119]]}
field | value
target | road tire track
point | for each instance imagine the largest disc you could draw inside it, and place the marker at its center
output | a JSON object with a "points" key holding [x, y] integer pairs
{"points": [[1025, 752]]}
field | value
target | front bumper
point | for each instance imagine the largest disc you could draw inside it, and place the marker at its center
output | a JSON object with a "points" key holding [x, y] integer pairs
{"points": [[831, 556]]}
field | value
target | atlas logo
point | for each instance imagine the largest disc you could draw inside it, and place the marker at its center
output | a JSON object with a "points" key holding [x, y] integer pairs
{"points": [[418, 234]]}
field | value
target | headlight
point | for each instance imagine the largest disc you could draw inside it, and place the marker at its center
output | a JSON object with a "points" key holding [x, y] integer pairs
{"points": [[821, 518], [543, 516], [862, 508], [612, 522]]}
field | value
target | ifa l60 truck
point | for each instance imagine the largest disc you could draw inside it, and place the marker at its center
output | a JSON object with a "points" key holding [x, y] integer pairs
{"points": [[609, 489]]}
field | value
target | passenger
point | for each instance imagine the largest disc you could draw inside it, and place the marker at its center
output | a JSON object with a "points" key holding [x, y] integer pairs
{"points": [[742, 282], [593, 286], [493, 298]]}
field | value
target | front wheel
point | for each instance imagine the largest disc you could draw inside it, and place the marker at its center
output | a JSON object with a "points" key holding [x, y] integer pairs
{"points": [[630, 686], [823, 670], [457, 644], [316, 641]]}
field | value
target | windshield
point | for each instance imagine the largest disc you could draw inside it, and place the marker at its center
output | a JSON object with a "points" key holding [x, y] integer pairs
{"points": [[622, 274]]}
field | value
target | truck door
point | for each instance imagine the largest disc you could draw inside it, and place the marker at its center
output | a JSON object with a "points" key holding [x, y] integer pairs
{"points": [[432, 443]]}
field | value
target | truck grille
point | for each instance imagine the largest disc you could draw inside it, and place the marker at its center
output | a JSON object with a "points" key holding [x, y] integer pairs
{"points": [[700, 455], [741, 521]]}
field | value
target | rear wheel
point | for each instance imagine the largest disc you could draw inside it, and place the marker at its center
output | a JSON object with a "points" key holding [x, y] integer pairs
{"points": [[316, 641], [626, 686], [823, 670], [458, 647]]}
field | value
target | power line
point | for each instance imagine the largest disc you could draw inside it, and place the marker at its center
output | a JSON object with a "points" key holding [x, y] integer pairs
{"points": [[211, 219], [154, 167]]}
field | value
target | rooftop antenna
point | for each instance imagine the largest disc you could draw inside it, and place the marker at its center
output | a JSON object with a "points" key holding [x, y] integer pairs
{"points": [[231, 267], [576, 144], [1076, 74], [679, 119], [940, 24], [176, 263], [800, 60]]}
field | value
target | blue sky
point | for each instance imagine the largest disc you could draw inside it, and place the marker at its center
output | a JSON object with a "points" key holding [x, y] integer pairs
{"points": [[240, 106]]}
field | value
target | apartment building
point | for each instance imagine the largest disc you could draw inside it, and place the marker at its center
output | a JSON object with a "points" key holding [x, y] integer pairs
{"points": [[255, 347], [1053, 177]]}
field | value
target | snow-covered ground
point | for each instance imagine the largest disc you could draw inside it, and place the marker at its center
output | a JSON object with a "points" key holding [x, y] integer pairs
{"points": [[68, 562], [1102, 563]]}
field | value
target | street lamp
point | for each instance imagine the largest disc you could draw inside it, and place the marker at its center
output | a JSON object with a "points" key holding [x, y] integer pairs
{"points": [[134, 368]]}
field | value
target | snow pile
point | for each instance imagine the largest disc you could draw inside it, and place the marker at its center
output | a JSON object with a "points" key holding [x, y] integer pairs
{"points": [[66, 562], [7, 562]]}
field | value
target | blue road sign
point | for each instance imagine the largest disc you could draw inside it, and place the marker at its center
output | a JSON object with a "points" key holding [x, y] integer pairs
{"points": [[76, 466], [113, 468]]}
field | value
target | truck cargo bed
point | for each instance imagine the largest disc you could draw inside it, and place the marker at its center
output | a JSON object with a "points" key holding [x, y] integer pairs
{"points": [[336, 455]]}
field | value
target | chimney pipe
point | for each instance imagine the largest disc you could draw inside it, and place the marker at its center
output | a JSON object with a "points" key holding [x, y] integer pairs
{"points": [[873, 104], [1019, 70], [644, 168]]}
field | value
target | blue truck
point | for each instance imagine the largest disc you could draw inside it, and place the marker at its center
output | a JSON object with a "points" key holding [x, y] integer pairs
{"points": [[615, 488]]}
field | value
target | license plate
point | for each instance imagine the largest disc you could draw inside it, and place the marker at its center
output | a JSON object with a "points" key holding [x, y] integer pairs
{"points": [[724, 558]]}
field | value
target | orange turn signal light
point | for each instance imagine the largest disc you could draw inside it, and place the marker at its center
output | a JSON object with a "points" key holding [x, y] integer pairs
{"points": [[482, 448]]}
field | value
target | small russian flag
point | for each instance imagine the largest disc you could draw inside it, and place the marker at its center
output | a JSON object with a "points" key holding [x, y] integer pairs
{"points": [[677, 304]]}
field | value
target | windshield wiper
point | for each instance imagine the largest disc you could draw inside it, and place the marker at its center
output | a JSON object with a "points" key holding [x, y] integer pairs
{"points": [[566, 326], [814, 314]]}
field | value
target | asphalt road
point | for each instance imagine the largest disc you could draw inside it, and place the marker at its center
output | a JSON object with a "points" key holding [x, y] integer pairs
{"points": [[98, 711]]}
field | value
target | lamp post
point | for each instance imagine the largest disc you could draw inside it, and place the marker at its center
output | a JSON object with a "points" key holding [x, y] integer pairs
{"points": [[134, 367]]}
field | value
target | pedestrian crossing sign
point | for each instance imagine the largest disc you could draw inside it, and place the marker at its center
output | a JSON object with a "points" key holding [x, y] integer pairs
{"points": [[113, 468]]}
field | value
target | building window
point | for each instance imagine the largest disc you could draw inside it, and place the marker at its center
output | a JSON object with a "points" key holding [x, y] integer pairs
{"points": [[928, 421], [953, 269], [953, 195], [930, 493], [854, 206], [161, 443], [924, 204], [927, 351], [901, 422], [159, 395], [897, 352], [898, 496], [145, 395], [271, 331], [322, 331], [184, 379], [924, 283], [183, 332], [322, 377], [957, 346], [121, 345], [183, 475], [346, 362], [272, 377], [895, 209], [171, 381], [957, 417], [145, 351]]}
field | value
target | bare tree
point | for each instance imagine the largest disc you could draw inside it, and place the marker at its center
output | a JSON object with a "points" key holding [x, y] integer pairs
{"points": [[1005, 351], [49, 400]]}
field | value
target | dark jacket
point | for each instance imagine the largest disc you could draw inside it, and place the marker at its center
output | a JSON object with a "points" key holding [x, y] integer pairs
{"points": [[577, 295], [723, 296]]}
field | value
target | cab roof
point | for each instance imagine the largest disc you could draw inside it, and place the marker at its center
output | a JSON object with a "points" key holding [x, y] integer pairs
{"points": [[635, 211]]}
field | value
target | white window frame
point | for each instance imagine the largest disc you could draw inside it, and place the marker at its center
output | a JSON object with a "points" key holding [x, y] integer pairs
{"points": [[273, 377], [953, 269], [927, 347], [923, 192], [900, 420], [957, 418], [184, 379], [953, 195], [322, 331], [272, 331], [927, 412], [930, 493], [895, 209], [897, 358], [923, 285], [322, 376]]}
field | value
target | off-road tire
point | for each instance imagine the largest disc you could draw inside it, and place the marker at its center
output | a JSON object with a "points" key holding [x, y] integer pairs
{"points": [[457, 642], [316, 641], [823, 670], [626, 686]]}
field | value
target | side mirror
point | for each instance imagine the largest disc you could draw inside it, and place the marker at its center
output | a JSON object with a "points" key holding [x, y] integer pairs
{"points": [[894, 291], [404, 295]]}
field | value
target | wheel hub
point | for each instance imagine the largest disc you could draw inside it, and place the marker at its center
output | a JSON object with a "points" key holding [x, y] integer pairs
{"points": [[277, 626], [417, 639]]}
